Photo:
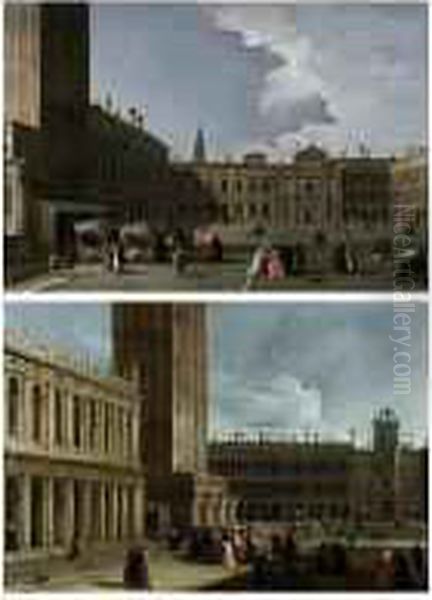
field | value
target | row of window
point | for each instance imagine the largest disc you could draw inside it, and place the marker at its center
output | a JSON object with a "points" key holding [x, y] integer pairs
{"points": [[255, 185], [366, 213], [251, 511], [96, 425], [263, 469]]}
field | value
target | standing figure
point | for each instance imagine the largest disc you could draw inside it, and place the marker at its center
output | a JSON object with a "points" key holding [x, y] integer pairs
{"points": [[178, 259], [136, 573], [257, 268], [228, 554], [275, 268]]}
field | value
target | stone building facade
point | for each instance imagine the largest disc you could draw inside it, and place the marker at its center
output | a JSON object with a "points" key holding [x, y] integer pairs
{"points": [[308, 480], [68, 161], [73, 471], [410, 185], [317, 480], [164, 346], [317, 207], [47, 74]]}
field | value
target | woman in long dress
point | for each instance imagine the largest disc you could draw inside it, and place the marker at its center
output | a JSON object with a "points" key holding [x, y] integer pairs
{"points": [[275, 269], [228, 555]]}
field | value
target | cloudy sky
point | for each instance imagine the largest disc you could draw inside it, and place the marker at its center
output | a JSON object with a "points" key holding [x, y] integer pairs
{"points": [[320, 366], [268, 77], [289, 367]]}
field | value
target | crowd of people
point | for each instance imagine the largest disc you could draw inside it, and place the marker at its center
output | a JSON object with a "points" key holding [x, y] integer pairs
{"points": [[278, 561], [174, 247]]}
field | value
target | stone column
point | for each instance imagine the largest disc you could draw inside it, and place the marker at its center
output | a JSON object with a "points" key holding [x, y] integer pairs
{"points": [[222, 516], [51, 408], [48, 490], [135, 436], [102, 417], [23, 423], [87, 516], [139, 509], [233, 513], [26, 508], [69, 509], [114, 519], [125, 512], [84, 422], [46, 414], [103, 508], [108, 416], [126, 433]]}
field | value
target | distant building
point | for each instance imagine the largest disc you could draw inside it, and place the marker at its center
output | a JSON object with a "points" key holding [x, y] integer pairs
{"points": [[317, 207], [307, 480], [332, 482], [164, 346], [73, 472], [410, 189]]}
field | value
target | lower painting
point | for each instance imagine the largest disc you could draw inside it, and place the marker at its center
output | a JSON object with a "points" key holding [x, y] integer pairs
{"points": [[219, 446]]}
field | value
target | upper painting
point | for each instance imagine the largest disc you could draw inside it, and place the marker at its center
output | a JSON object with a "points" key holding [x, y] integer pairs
{"points": [[216, 147]]}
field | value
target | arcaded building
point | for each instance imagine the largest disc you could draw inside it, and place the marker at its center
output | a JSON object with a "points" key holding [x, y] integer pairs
{"points": [[295, 481], [73, 471], [164, 346]]}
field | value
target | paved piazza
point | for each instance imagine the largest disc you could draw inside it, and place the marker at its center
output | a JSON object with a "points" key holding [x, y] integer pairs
{"points": [[167, 573], [229, 276]]}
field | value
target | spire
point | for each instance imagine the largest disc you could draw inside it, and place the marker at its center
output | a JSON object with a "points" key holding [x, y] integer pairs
{"points": [[199, 154]]}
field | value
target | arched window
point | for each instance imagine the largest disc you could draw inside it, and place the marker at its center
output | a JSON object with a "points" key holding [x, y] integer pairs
{"points": [[37, 413], [76, 422], [58, 417], [13, 408]]}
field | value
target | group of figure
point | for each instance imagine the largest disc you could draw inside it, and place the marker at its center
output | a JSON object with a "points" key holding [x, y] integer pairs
{"points": [[276, 563], [268, 565], [266, 264], [401, 569]]}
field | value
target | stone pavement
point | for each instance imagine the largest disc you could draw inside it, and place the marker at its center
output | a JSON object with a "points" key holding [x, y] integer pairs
{"points": [[227, 276], [167, 572]]}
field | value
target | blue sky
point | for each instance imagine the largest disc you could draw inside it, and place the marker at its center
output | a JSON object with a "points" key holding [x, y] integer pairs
{"points": [[268, 77], [286, 366]]}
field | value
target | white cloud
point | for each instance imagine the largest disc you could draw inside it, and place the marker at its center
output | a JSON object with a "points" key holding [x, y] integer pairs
{"points": [[282, 402], [343, 76]]}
